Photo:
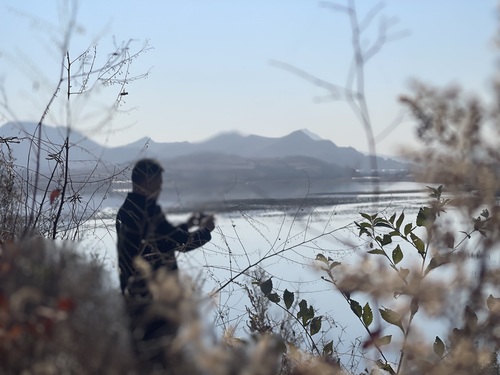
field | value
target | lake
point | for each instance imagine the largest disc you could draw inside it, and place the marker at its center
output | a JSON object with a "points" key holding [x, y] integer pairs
{"points": [[283, 239], [249, 230]]}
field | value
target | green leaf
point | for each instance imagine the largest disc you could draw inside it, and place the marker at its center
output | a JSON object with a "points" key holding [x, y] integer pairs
{"points": [[392, 317], [367, 315], [408, 228], [366, 216], [363, 225], [321, 258], [419, 244], [334, 264], [400, 220], [392, 218], [397, 255], [382, 223], [434, 193], [288, 297], [303, 304], [315, 325], [267, 286], [328, 349], [356, 308], [438, 347], [273, 297], [385, 340], [426, 217], [305, 312], [386, 240], [436, 262], [363, 228]]}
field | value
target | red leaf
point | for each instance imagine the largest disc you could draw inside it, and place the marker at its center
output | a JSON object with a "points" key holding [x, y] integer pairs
{"points": [[15, 331], [55, 193], [65, 304]]}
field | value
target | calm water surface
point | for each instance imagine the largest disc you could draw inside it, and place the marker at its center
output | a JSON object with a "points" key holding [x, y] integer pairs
{"points": [[282, 240]]}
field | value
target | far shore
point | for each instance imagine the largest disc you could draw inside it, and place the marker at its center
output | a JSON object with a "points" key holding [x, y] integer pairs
{"points": [[313, 200]]}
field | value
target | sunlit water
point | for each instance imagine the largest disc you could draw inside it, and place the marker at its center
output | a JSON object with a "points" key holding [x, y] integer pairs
{"points": [[288, 236], [283, 241]]}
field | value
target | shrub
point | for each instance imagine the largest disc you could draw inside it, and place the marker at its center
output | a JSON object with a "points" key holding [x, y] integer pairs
{"points": [[57, 314]]}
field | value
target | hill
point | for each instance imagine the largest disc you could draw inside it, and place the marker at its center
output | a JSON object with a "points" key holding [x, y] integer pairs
{"points": [[228, 166]]}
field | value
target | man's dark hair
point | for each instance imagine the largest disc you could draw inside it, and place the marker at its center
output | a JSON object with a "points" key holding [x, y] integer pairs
{"points": [[144, 170]]}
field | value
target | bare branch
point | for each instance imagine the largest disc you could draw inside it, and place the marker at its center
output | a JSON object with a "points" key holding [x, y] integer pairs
{"points": [[8, 140], [38, 148], [392, 125], [383, 37], [376, 46], [335, 7], [336, 91], [365, 23]]}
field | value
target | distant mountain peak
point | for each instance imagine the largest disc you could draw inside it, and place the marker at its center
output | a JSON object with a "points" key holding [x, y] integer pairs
{"points": [[224, 135], [311, 135]]}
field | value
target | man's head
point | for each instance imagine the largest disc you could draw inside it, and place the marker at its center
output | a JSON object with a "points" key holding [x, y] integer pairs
{"points": [[147, 178]]}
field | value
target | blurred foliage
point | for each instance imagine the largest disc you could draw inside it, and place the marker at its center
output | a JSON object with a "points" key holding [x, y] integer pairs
{"points": [[57, 315]]}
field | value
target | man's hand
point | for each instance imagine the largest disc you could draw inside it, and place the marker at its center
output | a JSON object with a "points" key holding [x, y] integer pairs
{"points": [[202, 221], [194, 220], [208, 222]]}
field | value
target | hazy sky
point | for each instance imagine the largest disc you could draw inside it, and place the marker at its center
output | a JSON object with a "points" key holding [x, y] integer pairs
{"points": [[210, 68]]}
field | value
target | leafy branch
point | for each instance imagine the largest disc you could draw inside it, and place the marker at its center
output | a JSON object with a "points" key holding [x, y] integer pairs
{"points": [[383, 233], [305, 317]]}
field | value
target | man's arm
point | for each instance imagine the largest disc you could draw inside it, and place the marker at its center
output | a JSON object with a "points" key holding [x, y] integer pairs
{"points": [[196, 239], [180, 238], [202, 235]]}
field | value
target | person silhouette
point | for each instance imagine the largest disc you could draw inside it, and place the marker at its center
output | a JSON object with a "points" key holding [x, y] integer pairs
{"points": [[144, 232], [142, 229]]}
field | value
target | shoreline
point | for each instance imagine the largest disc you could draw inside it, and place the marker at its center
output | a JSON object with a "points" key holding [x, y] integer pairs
{"points": [[313, 200]]}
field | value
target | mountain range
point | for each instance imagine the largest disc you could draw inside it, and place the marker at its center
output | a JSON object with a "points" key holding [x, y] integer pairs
{"points": [[229, 163], [298, 143]]}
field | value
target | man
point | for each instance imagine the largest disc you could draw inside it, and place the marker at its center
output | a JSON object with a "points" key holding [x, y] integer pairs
{"points": [[142, 229]]}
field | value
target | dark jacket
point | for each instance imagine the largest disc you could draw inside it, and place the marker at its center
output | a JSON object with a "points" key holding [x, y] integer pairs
{"points": [[142, 230]]}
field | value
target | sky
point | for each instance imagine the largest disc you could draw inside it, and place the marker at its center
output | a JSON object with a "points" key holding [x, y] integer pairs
{"points": [[210, 70]]}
